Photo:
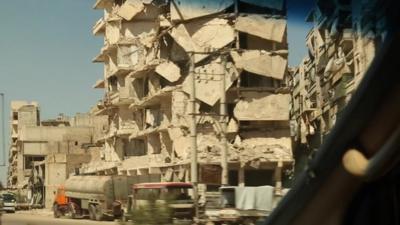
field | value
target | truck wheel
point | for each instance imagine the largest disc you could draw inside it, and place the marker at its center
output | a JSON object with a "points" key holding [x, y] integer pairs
{"points": [[124, 219], [92, 212], [248, 221], [72, 210], [99, 213], [56, 211]]}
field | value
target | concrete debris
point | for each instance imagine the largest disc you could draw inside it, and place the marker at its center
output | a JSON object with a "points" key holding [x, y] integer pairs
{"points": [[262, 106], [112, 32], [179, 109], [249, 151], [237, 141], [208, 80], [203, 36], [144, 31], [128, 55], [185, 10], [261, 63], [257, 25], [233, 126], [164, 22], [182, 37], [130, 8], [169, 71]]}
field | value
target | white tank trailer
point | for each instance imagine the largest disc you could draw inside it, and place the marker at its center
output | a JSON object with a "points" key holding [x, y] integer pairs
{"points": [[100, 197]]}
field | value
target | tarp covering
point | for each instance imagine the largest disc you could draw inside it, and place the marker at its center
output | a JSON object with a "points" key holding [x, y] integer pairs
{"points": [[259, 198]]}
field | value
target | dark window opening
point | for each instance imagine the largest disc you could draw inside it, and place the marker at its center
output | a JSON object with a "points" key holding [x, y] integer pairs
{"points": [[120, 2], [15, 115], [29, 160], [258, 177], [233, 178], [138, 87], [248, 79], [164, 82], [134, 147], [113, 84], [146, 86]]}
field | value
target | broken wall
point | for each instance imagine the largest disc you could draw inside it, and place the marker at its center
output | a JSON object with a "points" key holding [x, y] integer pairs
{"points": [[156, 45]]}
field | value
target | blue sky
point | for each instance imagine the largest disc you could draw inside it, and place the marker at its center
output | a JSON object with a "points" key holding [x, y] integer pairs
{"points": [[46, 47]]}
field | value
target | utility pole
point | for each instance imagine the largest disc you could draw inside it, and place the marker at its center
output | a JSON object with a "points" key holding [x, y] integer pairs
{"points": [[223, 122], [193, 134], [3, 130]]}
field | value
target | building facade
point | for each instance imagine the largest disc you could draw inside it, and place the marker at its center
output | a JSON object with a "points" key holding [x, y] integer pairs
{"points": [[342, 43], [194, 83], [43, 154], [22, 114]]}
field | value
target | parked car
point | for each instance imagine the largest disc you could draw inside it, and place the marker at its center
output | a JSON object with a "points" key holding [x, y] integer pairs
{"points": [[9, 202]]}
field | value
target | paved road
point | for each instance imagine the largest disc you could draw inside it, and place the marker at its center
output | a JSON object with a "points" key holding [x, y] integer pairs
{"points": [[27, 219]]}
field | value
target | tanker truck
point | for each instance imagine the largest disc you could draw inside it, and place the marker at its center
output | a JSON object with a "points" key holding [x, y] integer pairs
{"points": [[99, 197]]}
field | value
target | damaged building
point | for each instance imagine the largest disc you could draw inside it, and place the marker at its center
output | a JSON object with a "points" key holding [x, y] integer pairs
{"points": [[342, 43], [44, 153], [22, 114], [194, 80]]}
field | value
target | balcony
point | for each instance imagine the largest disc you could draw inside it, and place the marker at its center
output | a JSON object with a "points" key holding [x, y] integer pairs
{"points": [[121, 97], [101, 57], [148, 131], [125, 58], [141, 70], [125, 131], [119, 71], [99, 28], [100, 84], [102, 4], [13, 149], [143, 162], [154, 99]]}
